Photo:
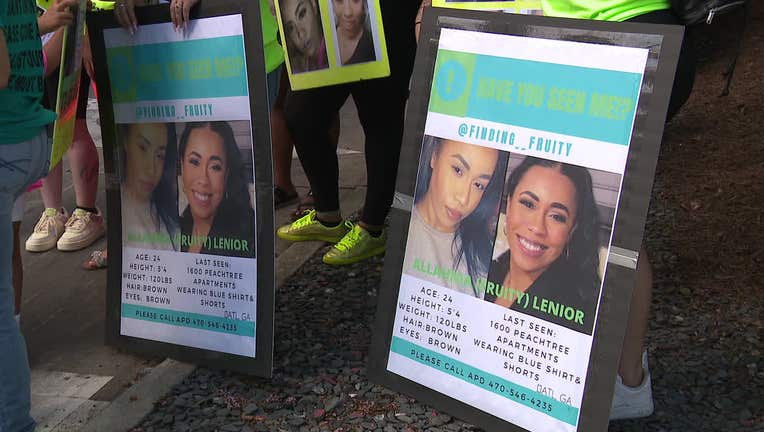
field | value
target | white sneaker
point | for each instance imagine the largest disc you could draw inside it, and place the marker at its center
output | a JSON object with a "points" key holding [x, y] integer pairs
{"points": [[82, 229], [633, 402], [48, 230]]}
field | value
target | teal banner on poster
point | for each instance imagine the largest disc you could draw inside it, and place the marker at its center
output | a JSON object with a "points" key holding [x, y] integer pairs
{"points": [[188, 319], [200, 68], [486, 381], [578, 101]]}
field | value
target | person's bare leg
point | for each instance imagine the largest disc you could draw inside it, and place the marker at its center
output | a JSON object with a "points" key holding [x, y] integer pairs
{"points": [[52, 223], [51, 187], [630, 367], [18, 269], [83, 160]]}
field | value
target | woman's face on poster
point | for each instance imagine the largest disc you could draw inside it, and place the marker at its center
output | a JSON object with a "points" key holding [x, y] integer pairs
{"points": [[541, 216], [204, 171], [460, 174], [145, 149], [350, 15], [302, 25]]}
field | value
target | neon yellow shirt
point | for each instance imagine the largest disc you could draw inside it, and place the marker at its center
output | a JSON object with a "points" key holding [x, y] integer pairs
{"points": [[602, 10], [274, 54]]}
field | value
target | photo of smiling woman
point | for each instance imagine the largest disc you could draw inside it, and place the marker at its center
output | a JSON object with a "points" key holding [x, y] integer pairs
{"points": [[353, 28], [455, 205], [218, 219], [550, 269], [304, 34], [149, 189]]}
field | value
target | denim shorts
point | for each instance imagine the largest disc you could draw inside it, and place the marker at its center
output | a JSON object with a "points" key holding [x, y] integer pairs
{"points": [[20, 165]]}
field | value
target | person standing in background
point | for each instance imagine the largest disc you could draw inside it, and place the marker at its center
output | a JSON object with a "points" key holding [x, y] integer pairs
{"points": [[56, 227], [24, 158], [381, 105]]}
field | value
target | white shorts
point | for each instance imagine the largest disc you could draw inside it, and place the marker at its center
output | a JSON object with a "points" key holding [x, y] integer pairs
{"points": [[18, 208]]}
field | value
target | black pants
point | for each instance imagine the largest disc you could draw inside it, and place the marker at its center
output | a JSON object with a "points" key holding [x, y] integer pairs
{"points": [[381, 104], [685, 70]]}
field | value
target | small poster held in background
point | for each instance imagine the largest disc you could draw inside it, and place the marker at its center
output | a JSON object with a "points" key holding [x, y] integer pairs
{"points": [[500, 301], [187, 142], [68, 91], [329, 42]]}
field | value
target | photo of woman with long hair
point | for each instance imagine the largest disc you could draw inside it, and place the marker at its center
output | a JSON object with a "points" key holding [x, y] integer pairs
{"points": [[304, 35], [455, 205], [149, 188], [218, 219], [354, 37], [552, 234]]}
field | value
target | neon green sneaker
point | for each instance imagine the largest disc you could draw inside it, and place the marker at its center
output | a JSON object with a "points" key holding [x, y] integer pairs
{"points": [[357, 245], [308, 228]]}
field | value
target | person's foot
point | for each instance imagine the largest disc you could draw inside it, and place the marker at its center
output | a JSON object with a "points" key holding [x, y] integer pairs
{"points": [[82, 229], [309, 228], [48, 230], [357, 245], [98, 260], [306, 204], [282, 198], [633, 402]]}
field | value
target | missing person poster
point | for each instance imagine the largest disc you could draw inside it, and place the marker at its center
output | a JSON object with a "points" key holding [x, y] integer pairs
{"points": [[524, 148], [68, 84], [187, 155], [329, 42], [517, 6], [185, 164]]}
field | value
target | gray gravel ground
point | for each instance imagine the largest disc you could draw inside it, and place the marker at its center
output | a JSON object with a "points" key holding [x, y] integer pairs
{"points": [[702, 380]]}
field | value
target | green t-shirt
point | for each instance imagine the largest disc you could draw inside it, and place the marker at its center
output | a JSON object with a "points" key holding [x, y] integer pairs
{"points": [[602, 10], [21, 115], [274, 54]]}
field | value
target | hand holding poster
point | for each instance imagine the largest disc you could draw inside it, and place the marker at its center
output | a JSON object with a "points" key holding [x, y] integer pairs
{"points": [[188, 163], [495, 308], [330, 42]]}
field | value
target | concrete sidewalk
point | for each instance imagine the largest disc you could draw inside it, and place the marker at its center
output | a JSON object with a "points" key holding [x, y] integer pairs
{"points": [[78, 383]]}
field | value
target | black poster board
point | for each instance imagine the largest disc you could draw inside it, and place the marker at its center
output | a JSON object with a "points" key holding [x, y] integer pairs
{"points": [[194, 280], [517, 88]]}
